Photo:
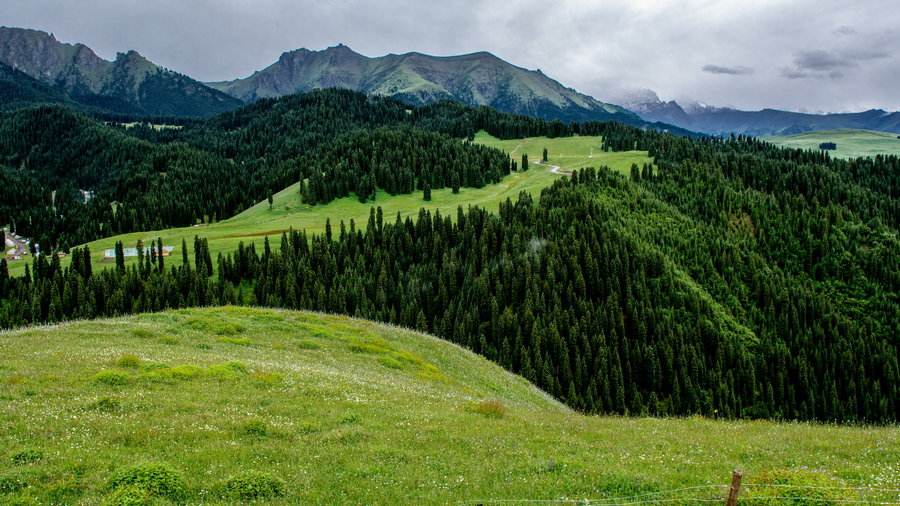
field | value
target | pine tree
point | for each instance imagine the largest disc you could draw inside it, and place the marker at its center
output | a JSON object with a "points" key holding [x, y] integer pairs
{"points": [[4, 277], [545, 158], [87, 269], [186, 264], [426, 192], [159, 256], [120, 257]]}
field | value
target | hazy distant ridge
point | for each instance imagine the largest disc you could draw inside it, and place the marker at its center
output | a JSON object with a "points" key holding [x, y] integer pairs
{"points": [[725, 120]]}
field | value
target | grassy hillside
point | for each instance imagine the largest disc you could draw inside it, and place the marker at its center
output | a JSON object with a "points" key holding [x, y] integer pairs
{"points": [[335, 410], [288, 211], [850, 143]]}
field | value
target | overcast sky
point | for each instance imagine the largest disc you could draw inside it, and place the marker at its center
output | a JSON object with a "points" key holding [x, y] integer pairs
{"points": [[815, 55]]}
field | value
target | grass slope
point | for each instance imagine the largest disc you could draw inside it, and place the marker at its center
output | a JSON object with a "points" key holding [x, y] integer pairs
{"points": [[337, 411], [850, 143], [288, 211]]}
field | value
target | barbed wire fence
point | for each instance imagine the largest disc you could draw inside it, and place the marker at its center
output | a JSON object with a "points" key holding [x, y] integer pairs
{"points": [[730, 495]]}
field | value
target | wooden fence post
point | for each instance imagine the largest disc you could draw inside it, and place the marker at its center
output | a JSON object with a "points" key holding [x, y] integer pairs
{"points": [[735, 488]]}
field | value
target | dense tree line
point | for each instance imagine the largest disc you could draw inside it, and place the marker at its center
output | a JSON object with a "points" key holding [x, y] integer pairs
{"points": [[398, 160]]}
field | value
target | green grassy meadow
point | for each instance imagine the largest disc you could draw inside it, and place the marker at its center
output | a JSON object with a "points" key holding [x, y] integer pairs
{"points": [[227, 405], [287, 212], [850, 143]]}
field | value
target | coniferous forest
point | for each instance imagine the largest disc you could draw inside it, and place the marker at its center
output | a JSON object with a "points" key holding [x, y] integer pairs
{"points": [[730, 278]]}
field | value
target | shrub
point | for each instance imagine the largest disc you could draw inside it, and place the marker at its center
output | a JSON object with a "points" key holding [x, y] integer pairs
{"points": [[227, 370], [131, 495], [253, 485], [26, 457], [64, 492], [111, 378], [129, 361], [10, 484], [307, 344], [390, 362], [106, 405], [170, 375], [142, 333], [185, 372], [255, 428], [490, 408], [265, 379], [156, 479], [240, 341]]}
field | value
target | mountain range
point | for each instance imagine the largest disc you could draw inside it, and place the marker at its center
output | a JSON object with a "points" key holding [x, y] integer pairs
{"points": [[725, 120], [37, 68], [130, 84], [474, 79]]}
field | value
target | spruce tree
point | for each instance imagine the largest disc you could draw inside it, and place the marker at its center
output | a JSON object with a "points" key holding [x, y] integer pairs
{"points": [[159, 256], [120, 257]]}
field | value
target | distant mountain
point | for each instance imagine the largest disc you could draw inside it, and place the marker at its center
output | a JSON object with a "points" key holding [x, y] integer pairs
{"points": [[130, 85], [724, 120], [474, 79]]}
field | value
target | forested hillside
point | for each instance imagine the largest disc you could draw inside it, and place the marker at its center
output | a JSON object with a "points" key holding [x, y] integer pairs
{"points": [[614, 295], [729, 278], [18, 89], [144, 178]]}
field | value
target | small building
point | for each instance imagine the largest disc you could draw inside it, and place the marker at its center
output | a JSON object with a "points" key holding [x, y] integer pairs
{"points": [[110, 254]]}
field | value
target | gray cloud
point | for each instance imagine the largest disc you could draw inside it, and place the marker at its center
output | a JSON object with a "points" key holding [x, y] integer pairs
{"points": [[793, 73], [796, 48], [731, 71], [845, 30], [819, 60], [820, 64]]}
